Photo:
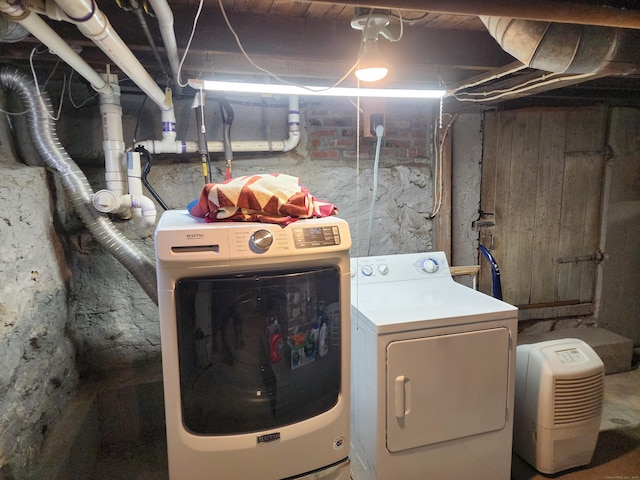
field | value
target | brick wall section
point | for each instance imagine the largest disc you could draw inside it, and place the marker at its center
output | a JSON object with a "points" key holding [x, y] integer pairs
{"points": [[331, 125]]}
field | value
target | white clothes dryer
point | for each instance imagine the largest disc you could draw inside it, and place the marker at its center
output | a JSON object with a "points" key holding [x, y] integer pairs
{"points": [[433, 373]]}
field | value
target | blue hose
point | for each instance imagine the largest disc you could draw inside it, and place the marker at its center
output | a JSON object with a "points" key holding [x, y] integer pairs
{"points": [[495, 272]]}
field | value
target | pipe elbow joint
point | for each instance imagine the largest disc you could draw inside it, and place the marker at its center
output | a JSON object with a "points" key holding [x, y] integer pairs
{"points": [[291, 142], [144, 211]]}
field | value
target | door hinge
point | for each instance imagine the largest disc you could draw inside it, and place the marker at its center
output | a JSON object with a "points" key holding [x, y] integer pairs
{"points": [[597, 257]]}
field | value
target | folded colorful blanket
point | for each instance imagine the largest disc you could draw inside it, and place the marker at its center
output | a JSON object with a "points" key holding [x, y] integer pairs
{"points": [[269, 198]]}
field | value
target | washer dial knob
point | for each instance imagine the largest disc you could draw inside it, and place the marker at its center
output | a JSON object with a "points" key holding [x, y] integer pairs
{"points": [[429, 265], [366, 270], [261, 240]]}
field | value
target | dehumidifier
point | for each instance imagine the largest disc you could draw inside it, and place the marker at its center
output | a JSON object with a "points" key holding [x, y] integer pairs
{"points": [[558, 404]]}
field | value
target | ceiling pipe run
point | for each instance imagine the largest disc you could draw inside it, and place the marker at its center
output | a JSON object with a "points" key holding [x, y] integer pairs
{"points": [[565, 48], [94, 25], [565, 11], [43, 32], [553, 47]]}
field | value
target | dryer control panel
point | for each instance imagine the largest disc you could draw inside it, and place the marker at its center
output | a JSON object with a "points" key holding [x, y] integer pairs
{"points": [[393, 268]]}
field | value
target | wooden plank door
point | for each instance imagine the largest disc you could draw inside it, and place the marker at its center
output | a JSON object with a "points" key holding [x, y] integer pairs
{"points": [[540, 202]]}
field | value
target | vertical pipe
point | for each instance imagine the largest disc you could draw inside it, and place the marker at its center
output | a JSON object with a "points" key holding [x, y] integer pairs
{"points": [[113, 138], [165, 21]]}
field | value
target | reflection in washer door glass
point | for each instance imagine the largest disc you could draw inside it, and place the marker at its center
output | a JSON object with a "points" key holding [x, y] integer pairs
{"points": [[257, 351]]}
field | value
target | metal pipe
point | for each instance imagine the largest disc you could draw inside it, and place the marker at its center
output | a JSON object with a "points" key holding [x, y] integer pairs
{"points": [[555, 47], [75, 183]]}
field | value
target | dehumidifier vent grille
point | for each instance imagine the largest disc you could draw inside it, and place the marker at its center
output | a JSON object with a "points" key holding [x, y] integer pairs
{"points": [[578, 399]]}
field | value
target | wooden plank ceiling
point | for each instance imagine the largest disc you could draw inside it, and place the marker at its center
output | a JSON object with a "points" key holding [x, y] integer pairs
{"points": [[313, 41]]}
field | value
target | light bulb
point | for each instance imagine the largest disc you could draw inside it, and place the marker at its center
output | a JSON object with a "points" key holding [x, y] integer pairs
{"points": [[370, 66], [372, 74]]}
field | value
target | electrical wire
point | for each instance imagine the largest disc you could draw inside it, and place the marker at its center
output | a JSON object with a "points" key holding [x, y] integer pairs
{"points": [[71, 98], [35, 80], [268, 72], [492, 77], [186, 50], [519, 89], [145, 172], [438, 180], [410, 20]]}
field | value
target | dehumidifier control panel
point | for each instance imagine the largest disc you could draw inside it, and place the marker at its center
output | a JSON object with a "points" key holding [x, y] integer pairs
{"points": [[571, 356]]}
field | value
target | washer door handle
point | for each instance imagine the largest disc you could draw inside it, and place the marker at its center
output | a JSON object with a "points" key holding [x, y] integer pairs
{"points": [[402, 396]]}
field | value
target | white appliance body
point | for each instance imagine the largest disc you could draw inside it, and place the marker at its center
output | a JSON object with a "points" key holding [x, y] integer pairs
{"points": [[432, 375], [243, 402], [558, 404]]}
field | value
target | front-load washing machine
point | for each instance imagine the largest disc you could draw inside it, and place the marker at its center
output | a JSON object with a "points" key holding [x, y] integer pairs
{"points": [[433, 369], [254, 322]]}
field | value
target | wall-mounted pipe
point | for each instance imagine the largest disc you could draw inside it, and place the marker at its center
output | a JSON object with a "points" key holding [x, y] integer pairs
{"points": [[555, 47], [75, 183], [115, 198], [113, 138], [143, 208], [169, 145]]}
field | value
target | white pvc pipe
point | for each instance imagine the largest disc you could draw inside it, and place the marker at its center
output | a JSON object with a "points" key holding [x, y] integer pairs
{"points": [[143, 209], [43, 32], [168, 144], [165, 22], [113, 138], [94, 25]]}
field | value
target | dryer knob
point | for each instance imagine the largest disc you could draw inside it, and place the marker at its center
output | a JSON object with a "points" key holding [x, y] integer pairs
{"points": [[383, 269], [367, 271], [430, 265], [261, 240]]}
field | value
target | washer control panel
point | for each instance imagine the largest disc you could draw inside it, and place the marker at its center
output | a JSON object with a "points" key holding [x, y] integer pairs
{"points": [[391, 268]]}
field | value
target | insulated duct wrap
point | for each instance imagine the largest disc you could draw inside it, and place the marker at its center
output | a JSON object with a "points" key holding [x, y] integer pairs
{"points": [[555, 47], [76, 184]]}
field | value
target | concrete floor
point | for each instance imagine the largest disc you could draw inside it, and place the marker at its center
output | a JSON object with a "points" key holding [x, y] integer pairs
{"points": [[617, 453]]}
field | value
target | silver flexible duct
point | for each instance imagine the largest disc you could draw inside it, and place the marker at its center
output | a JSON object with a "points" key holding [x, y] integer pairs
{"points": [[76, 184]]}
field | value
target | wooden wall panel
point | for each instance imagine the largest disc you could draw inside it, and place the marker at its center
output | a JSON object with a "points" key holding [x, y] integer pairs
{"points": [[548, 196], [542, 174]]}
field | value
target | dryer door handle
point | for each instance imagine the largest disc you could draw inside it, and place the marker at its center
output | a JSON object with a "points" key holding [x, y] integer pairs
{"points": [[402, 396]]}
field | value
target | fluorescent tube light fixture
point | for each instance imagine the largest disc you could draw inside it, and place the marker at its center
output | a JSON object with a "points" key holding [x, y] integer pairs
{"points": [[272, 89]]}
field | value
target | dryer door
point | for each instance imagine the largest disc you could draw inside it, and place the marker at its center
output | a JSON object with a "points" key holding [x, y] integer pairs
{"points": [[446, 387]]}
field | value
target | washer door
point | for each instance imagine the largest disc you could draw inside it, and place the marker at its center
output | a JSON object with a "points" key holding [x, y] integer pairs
{"points": [[446, 387]]}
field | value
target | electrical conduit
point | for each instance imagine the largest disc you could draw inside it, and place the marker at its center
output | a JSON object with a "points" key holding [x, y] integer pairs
{"points": [[76, 184]]}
